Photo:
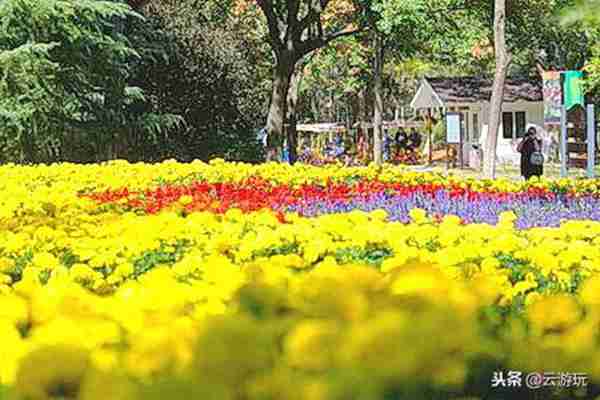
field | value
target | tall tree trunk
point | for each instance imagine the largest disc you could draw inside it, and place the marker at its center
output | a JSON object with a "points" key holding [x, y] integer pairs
{"points": [[362, 107], [314, 104], [364, 116], [110, 155], [349, 113], [28, 142], [277, 110], [354, 109], [378, 105], [502, 63], [331, 108], [292, 102], [291, 39]]}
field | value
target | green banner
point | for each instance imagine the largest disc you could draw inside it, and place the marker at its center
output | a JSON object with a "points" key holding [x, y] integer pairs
{"points": [[572, 89]]}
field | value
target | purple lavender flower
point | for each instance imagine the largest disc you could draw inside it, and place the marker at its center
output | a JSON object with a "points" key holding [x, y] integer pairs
{"points": [[531, 211]]}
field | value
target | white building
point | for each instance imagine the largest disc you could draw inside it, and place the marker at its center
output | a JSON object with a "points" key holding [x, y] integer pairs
{"points": [[522, 107]]}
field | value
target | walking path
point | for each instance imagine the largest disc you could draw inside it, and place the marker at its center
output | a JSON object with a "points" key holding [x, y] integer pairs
{"points": [[551, 170]]}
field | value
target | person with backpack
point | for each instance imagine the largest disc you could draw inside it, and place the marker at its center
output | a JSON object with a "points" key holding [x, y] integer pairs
{"points": [[532, 159]]}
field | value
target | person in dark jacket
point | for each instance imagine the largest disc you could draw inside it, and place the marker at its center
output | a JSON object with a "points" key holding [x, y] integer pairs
{"points": [[529, 145], [401, 139], [415, 140]]}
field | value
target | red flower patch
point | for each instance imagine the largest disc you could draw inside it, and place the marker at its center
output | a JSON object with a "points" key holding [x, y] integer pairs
{"points": [[257, 194]]}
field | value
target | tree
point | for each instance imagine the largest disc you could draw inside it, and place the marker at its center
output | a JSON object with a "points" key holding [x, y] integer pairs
{"points": [[587, 14], [503, 59], [296, 28], [534, 34], [208, 64], [336, 77], [64, 80], [404, 29], [531, 38], [291, 109], [586, 11], [378, 107]]}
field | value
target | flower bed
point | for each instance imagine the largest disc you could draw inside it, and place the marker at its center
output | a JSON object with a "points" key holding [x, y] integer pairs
{"points": [[196, 281], [534, 206]]}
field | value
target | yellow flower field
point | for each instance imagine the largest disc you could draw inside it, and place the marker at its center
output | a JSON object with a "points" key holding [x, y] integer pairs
{"points": [[98, 301]]}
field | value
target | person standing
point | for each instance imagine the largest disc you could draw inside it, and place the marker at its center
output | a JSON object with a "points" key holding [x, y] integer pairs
{"points": [[401, 143], [415, 140], [387, 146], [361, 147], [532, 159]]}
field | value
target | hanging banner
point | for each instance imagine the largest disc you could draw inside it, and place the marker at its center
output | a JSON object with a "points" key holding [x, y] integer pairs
{"points": [[552, 92], [573, 89]]}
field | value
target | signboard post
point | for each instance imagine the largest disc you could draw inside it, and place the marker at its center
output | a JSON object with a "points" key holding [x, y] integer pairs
{"points": [[591, 141], [430, 134], [563, 142]]}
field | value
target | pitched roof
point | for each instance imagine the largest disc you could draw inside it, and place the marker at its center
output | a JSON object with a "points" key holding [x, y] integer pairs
{"points": [[471, 89]]}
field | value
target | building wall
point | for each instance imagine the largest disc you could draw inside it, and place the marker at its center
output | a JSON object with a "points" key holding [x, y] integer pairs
{"points": [[476, 119], [534, 115]]}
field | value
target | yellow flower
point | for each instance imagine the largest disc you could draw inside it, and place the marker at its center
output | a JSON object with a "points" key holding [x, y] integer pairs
{"points": [[489, 265], [554, 313], [69, 366], [45, 261], [418, 215], [379, 215], [112, 384], [310, 344], [6, 264], [83, 273], [486, 288], [11, 352], [590, 292], [124, 270], [420, 280], [507, 219], [185, 200], [5, 279], [14, 309], [532, 298]]}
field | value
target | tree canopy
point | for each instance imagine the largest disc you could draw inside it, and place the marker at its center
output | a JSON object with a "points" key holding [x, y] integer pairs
{"points": [[62, 69], [92, 80]]}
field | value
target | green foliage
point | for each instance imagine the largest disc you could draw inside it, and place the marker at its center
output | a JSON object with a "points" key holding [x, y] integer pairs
{"points": [[67, 61], [20, 263], [592, 69], [68, 259], [586, 13], [534, 34], [283, 250], [92, 80], [160, 256], [65, 81], [369, 256], [200, 62], [334, 73]]}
